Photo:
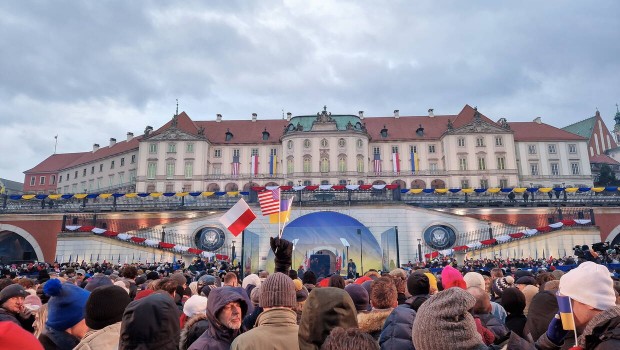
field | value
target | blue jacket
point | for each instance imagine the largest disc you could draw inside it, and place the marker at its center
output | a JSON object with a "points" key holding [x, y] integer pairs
{"points": [[396, 332]]}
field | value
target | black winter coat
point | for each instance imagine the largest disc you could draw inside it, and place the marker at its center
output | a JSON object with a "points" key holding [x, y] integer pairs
{"points": [[396, 332]]}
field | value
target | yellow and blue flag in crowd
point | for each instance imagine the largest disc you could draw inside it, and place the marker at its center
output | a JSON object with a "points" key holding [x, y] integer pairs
{"points": [[566, 312]]}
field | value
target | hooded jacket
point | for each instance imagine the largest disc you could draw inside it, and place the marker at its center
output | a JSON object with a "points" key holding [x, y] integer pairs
{"points": [[150, 323], [371, 322], [325, 309], [218, 336], [192, 330], [275, 329]]}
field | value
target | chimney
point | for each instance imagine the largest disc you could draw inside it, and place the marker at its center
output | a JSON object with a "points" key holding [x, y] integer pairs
{"points": [[129, 136], [254, 116], [430, 113], [218, 118], [396, 113], [289, 115], [361, 114], [95, 147], [538, 120], [112, 141]]}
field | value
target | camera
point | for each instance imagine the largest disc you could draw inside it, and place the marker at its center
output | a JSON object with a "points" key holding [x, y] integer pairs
{"points": [[601, 247]]}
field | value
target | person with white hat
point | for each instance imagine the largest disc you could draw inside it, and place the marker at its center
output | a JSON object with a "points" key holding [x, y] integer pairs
{"points": [[595, 313]]}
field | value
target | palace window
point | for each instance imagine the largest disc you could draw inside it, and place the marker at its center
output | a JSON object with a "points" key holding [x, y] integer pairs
{"points": [[324, 143], [501, 163], [574, 168], [461, 142], [431, 148], [189, 147], [499, 141], [531, 149], [151, 170], [307, 143], [342, 164], [152, 148], [482, 163], [572, 148], [342, 142], [217, 153], [324, 165], [170, 170], [555, 169], [480, 142], [189, 170], [172, 147], [463, 164], [552, 149]]}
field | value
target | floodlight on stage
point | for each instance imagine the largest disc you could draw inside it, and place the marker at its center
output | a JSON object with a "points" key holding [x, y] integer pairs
{"points": [[345, 242]]}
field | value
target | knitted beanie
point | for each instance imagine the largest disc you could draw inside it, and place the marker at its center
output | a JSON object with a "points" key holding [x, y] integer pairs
{"points": [[418, 283], [195, 305], [432, 280], [250, 279], [105, 306], [590, 284], [179, 278], [359, 295], [98, 281], [443, 322], [474, 279], [255, 295], [502, 283], [13, 290], [66, 305], [526, 280], [513, 301], [451, 277], [278, 290], [301, 295]]}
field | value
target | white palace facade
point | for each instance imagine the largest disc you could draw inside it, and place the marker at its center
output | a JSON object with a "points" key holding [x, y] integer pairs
{"points": [[465, 150]]}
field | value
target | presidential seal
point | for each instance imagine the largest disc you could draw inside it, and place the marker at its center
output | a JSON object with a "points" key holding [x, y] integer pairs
{"points": [[210, 239], [439, 237]]}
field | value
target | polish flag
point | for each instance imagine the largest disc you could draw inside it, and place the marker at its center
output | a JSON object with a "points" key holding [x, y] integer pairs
{"points": [[395, 163], [238, 217]]}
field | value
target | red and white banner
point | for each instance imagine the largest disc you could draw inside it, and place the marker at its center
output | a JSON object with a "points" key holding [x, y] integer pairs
{"points": [[254, 166], [238, 217], [395, 163]]}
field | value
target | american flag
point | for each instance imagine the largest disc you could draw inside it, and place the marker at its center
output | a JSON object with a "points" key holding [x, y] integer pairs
{"points": [[269, 201], [235, 166], [377, 163]]}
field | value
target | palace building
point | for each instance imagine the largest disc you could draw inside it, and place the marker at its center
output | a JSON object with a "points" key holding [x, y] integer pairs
{"points": [[464, 150]]}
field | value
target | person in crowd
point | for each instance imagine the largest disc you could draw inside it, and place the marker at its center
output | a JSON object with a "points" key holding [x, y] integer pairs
{"points": [[13, 336], [276, 327], [543, 307], [513, 301], [150, 323], [351, 338], [300, 272], [12, 299], [475, 279], [325, 309], [250, 282], [451, 277], [65, 324], [226, 309], [336, 281], [301, 295], [383, 299], [231, 279], [399, 277], [482, 311], [98, 280], [396, 333], [596, 315], [195, 316], [498, 286], [433, 283], [351, 269], [250, 319], [309, 280], [360, 297], [129, 274], [104, 311], [443, 322]]}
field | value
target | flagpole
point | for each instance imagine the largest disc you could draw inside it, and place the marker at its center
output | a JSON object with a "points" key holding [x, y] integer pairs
{"points": [[279, 213]]}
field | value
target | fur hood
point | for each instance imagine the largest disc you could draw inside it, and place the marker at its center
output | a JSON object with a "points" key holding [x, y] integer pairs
{"points": [[186, 332], [372, 321]]}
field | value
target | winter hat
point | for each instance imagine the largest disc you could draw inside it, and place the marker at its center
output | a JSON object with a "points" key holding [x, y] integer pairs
{"points": [[34, 302], [442, 322], [418, 283], [359, 295], [500, 284], [13, 290], [527, 280], [66, 305], [451, 277], [105, 306], [362, 279], [122, 284], [368, 286], [98, 281], [399, 273], [301, 295], [255, 295], [299, 285], [278, 290], [557, 274], [195, 305], [474, 279], [432, 280], [250, 279], [589, 284], [179, 278], [153, 275], [15, 337], [513, 301]]}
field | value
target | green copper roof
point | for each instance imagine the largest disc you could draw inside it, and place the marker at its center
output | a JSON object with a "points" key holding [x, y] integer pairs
{"points": [[341, 121], [583, 128]]}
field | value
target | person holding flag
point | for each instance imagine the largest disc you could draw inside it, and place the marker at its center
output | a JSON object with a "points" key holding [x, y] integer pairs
{"points": [[588, 315]]}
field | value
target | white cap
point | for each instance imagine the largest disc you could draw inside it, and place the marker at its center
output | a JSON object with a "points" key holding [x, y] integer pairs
{"points": [[195, 305], [589, 284]]}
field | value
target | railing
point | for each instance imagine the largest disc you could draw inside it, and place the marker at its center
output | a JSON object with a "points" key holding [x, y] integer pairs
{"points": [[310, 198]]}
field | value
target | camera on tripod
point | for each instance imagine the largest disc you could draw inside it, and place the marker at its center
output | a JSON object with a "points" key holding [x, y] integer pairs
{"points": [[601, 247]]}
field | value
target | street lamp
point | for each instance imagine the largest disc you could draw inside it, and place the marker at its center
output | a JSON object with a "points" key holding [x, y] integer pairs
{"points": [[490, 230], [420, 249], [163, 233], [564, 191], [232, 253]]}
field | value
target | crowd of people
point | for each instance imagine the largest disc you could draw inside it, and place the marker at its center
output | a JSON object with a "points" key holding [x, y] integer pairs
{"points": [[484, 304]]}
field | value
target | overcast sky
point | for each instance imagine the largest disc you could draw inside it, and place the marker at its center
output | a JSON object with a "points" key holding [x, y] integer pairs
{"points": [[91, 70]]}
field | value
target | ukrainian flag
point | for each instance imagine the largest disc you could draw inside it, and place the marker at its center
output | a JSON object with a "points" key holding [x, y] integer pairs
{"points": [[284, 214], [566, 312]]}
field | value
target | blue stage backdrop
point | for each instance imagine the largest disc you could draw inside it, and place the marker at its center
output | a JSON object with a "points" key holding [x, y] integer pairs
{"points": [[322, 231]]}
